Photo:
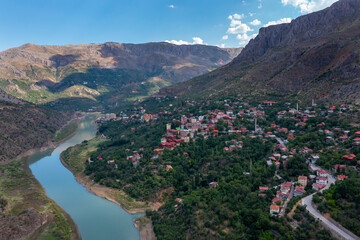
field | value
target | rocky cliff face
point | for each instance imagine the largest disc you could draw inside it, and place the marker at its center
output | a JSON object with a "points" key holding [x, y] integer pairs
{"points": [[316, 56]]}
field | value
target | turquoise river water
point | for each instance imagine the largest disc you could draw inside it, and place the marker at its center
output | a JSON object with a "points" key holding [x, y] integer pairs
{"points": [[96, 218]]}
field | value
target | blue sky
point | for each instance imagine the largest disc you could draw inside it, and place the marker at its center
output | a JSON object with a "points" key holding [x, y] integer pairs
{"points": [[229, 23]]}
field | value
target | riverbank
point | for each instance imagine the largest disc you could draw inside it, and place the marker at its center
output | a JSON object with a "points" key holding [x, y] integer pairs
{"points": [[74, 160], [26, 211], [50, 144]]}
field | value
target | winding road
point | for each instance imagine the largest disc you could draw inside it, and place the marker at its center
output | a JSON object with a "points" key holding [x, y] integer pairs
{"points": [[335, 227], [332, 225]]}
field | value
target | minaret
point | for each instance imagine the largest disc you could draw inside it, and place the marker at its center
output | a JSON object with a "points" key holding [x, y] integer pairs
{"points": [[297, 107], [255, 124]]}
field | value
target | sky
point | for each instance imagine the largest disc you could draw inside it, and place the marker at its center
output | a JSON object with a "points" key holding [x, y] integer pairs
{"points": [[225, 23]]}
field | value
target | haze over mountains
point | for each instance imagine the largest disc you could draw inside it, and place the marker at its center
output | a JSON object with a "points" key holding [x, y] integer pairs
{"points": [[41, 74], [316, 56]]}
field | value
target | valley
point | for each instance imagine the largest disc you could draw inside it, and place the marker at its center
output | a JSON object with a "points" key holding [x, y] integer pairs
{"points": [[184, 140]]}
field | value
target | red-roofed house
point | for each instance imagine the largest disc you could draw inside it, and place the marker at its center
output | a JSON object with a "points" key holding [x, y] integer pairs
{"points": [[213, 184], [341, 177], [263, 189], [168, 168], [278, 201], [321, 180], [302, 180], [349, 157], [299, 190], [274, 209], [317, 186], [321, 173]]}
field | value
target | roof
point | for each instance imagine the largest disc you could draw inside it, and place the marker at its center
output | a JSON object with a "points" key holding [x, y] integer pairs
{"points": [[317, 185], [302, 177], [342, 176], [264, 188], [274, 207], [321, 178]]}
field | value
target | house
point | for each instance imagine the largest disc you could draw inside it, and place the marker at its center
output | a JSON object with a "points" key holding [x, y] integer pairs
{"points": [[349, 157], [213, 184], [343, 138], [302, 180], [274, 209], [179, 200], [341, 177], [357, 134], [321, 173], [158, 151], [263, 189], [356, 142], [299, 190], [317, 186], [277, 201], [321, 180], [314, 158], [339, 168], [284, 196], [168, 168], [277, 164]]}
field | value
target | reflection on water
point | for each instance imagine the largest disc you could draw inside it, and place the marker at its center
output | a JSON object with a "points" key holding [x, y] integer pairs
{"points": [[96, 218]]}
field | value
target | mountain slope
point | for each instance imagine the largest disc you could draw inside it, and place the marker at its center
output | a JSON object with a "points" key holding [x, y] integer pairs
{"points": [[42, 74], [316, 56], [25, 126]]}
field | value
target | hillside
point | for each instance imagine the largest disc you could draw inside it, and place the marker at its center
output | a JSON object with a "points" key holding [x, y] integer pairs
{"points": [[24, 127], [108, 72], [316, 56]]}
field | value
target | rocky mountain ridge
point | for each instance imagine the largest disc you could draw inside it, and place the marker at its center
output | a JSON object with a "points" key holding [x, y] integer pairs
{"points": [[316, 56], [41, 73]]}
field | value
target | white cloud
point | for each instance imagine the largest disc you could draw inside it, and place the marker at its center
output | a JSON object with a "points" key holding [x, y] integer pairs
{"points": [[244, 38], [251, 14], [307, 6], [236, 16], [256, 22], [196, 40], [225, 37], [171, 6], [282, 20], [260, 5], [221, 45], [242, 28], [236, 27]]}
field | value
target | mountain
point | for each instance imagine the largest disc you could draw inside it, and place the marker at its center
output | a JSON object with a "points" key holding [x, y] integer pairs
{"points": [[316, 56], [108, 71]]}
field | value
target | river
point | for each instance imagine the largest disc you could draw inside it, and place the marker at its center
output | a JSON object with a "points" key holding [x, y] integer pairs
{"points": [[96, 218]]}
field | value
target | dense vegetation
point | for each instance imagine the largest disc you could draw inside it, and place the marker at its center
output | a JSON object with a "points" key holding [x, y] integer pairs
{"points": [[25, 126], [342, 201]]}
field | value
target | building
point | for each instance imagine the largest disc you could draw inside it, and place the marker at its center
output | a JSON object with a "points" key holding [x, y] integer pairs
{"points": [[299, 190], [274, 209], [302, 180], [263, 189], [341, 177], [213, 184], [321, 180], [356, 142], [317, 186], [321, 173]]}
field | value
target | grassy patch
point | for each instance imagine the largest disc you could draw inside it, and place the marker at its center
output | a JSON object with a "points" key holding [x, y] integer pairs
{"points": [[75, 157], [66, 131]]}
